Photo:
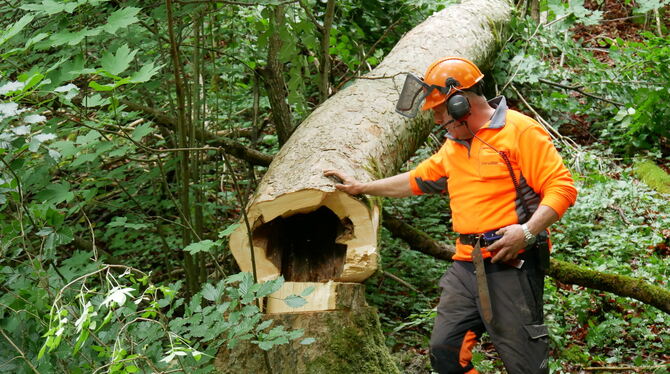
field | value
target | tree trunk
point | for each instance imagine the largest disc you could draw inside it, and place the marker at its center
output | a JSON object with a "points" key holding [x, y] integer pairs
{"points": [[304, 229], [347, 340], [273, 76]]}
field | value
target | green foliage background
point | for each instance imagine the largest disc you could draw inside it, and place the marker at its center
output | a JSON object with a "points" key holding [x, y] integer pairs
{"points": [[113, 255]]}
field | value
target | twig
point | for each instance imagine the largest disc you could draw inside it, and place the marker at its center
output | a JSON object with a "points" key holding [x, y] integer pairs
{"points": [[310, 15], [553, 132], [658, 22], [401, 281], [622, 18], [556, 20], [621, 214], [369, 52], [579, 89], [23, 356]]}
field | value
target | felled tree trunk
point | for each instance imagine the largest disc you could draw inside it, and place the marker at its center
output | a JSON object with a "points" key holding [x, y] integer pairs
{"points": [[303, 228]]}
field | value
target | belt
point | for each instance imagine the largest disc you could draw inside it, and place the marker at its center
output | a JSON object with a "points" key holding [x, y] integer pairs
{"points": [[488, 238]]}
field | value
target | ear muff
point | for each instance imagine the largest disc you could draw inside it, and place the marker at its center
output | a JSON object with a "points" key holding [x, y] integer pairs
{"points": [[458, 106]]}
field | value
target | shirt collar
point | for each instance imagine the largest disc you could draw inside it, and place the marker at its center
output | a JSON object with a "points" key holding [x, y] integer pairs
{"points": [[498, 117], [497, 120]]}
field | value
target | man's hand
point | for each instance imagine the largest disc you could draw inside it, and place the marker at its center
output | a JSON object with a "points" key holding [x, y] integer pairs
{"points": [[347, 184], [507, 247]]}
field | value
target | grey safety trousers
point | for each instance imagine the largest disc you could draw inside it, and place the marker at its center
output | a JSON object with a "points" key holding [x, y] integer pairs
{"points": [[517, 330]]}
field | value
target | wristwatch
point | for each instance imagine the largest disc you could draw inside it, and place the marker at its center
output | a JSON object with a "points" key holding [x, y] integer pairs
{"points": [[530, 238]]}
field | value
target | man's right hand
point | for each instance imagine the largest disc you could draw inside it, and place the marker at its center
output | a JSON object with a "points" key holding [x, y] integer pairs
{"points": [[346, 183]]}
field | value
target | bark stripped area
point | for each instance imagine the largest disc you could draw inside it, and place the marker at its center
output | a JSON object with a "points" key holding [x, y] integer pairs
{"points": [[358, 132]]}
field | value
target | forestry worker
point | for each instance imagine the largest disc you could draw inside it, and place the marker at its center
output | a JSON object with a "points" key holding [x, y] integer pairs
{"points": [[507, 184]]}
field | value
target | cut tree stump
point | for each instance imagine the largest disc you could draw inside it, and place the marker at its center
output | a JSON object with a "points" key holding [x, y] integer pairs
{"points": [[348, 340]]}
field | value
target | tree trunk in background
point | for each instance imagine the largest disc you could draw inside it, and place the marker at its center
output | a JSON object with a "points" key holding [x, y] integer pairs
{"points": [[324, 68], [273, 76]]}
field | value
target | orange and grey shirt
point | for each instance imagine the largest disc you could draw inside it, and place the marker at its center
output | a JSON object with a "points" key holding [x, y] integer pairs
{"points": [[481, 191]]}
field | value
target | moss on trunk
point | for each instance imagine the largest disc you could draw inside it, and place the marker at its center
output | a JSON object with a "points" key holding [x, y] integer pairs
{"points": [[653, 176], [349, 340]]}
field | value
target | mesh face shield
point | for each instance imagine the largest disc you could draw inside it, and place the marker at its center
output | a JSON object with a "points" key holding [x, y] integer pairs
{"points": [[414, 91]]}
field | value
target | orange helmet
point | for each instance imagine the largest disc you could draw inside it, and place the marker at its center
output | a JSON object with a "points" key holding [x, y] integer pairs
{"points": [[449, 75]]}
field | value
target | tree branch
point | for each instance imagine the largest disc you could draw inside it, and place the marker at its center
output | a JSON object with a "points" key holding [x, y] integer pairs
{"points": [[579, 89], [562, 271], [417, 239], [230, 146]]}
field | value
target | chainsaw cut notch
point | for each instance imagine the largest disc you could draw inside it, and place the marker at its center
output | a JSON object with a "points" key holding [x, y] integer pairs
{"points": [[307, 247]]}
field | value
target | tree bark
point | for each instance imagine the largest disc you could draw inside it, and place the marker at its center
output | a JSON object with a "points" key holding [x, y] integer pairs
{"points": [[324, 71], [562, 271], [358, 132], [347, 340], [273, 76]]}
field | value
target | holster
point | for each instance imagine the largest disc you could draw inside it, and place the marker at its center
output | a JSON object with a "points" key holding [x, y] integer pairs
{"points": [[541, 249]]}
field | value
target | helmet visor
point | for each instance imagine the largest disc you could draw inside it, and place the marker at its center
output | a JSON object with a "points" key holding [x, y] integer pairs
{"points": [[414, 91]]}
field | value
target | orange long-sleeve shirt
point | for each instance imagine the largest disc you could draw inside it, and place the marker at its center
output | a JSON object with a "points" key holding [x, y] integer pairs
{"points": [[481, 190]]}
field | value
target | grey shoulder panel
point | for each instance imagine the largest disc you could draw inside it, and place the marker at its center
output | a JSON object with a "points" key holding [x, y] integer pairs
{"points": [[433, 187]]}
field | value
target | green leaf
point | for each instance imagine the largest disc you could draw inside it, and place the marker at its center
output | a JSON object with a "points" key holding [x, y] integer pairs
{"points": [[16, 28], [72, 38], [141, 131], [90, 137], [118, 62], [295, 301], [95, 100], [307, 291], [120, 19], [145, 73], [270, 287], [229, 230], [132, 369], [201, 246], [55, 193], [236, 277], [307, 341], [266, 345], [245, 285], [80, 340], [211, 293], [264, 325]]}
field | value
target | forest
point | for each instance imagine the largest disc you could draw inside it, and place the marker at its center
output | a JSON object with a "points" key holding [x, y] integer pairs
{"points": [[136, 137]]}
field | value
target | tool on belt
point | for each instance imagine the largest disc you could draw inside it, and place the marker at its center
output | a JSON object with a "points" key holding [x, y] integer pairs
{"points": [[482, 283]]}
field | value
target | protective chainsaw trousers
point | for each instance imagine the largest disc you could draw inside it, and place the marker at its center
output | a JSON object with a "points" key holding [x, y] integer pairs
{"points": [[517, 330]]}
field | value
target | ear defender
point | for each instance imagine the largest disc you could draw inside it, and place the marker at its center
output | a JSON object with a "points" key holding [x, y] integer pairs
{"points": [[458, 106]]}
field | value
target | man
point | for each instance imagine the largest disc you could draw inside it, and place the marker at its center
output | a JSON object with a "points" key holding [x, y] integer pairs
{"points": [[507, 184]]}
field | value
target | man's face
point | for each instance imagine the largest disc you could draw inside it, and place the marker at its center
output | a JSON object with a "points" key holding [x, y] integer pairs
{"points": [[456, 129]]}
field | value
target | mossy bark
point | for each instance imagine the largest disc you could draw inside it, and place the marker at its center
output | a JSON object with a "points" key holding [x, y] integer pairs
{"points": [[621, 285], [347, 341], [653, 176]]}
